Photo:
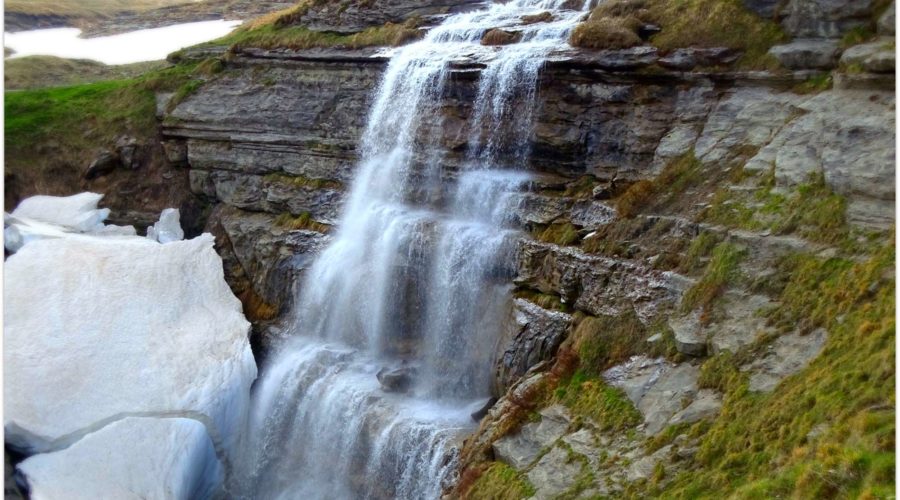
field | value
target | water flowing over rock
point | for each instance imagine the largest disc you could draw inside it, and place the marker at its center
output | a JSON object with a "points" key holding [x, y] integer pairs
{"points": [[419, 270]]}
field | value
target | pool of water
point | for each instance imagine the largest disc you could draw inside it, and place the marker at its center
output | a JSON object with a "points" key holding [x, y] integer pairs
{"points": [[135, 46]]}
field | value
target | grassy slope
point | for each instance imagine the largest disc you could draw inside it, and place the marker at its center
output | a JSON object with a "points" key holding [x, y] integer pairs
{"points": [[283, 29], [825, 432], [47, 71], [684, 23], [52, 134], [85, 8]]}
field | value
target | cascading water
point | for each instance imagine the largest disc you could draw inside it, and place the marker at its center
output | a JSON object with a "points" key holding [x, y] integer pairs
{"points": [[415, 279]]}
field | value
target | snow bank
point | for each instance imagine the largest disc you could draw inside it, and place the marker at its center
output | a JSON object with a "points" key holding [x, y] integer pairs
{"points": [[97, 327], [43, 217], [134, 458], [76, 213], [100, 328]]}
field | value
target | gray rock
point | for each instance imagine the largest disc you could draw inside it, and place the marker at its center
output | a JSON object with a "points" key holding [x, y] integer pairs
{"points": [[679, 59], [824, 18], [742, 322], [874, 57], [553, 474], [533, 335], [746, 117], [666, 397], [788, 355], [849, 137], [591, 214], [762, 8], [103, 164], [594, 284], [644, 467], [396, 379], [256, 253], [887, 23], [807, 53], [690, 337], [625, 59], [657, 388], [127, 149], [706, 405], [520, 449]]}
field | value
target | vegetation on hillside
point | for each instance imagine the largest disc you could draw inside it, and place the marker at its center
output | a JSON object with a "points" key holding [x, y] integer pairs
{"points": [[51, 135], [284, 29], [85, 8], [35, 72], [684, 23]]}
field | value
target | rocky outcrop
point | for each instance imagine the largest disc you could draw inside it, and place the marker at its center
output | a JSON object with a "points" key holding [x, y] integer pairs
{"points": [[594, 284], [352, 16], [534, 335]]}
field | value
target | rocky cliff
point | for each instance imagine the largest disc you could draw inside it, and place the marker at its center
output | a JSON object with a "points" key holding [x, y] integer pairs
{"points": [[704, 280], [677, 285]]}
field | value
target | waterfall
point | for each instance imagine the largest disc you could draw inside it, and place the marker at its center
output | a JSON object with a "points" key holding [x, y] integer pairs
{"points": [[416, 279]]}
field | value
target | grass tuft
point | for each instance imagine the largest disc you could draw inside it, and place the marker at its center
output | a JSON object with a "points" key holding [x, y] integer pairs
{"points": [[499, 482], [302, 221]]}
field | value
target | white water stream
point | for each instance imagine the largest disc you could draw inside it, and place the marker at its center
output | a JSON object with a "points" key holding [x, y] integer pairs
{"points": [[416, 277]]}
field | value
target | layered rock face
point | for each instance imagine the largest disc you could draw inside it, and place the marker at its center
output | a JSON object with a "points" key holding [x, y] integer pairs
{"points": [[662, 211]]}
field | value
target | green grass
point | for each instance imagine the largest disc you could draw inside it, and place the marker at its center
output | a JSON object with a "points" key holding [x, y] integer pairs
{"points": [[677, 176], [684, 23], [47, 71], [589, 397], [760, 446], [52, 134], [301, 181], [812, 210], [721, 271], [499, 482], [605, 341], [302, 221], [558, 233], [85, 8]]}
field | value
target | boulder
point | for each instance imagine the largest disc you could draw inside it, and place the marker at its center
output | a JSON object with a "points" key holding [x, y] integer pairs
{"points": [[518, 450], [849, 137], [874, 57], [482, 412], [534, 334], [626, 59], [103, 164], [762, 8], [554, 473], [807, 53], [170, 458], [658, 389], [136, 328], [398, 379], [706, 405], [497, 36], [690, 337]]}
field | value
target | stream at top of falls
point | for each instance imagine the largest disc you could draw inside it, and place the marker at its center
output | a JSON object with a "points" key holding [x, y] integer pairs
{"points": [[416, 279]]}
